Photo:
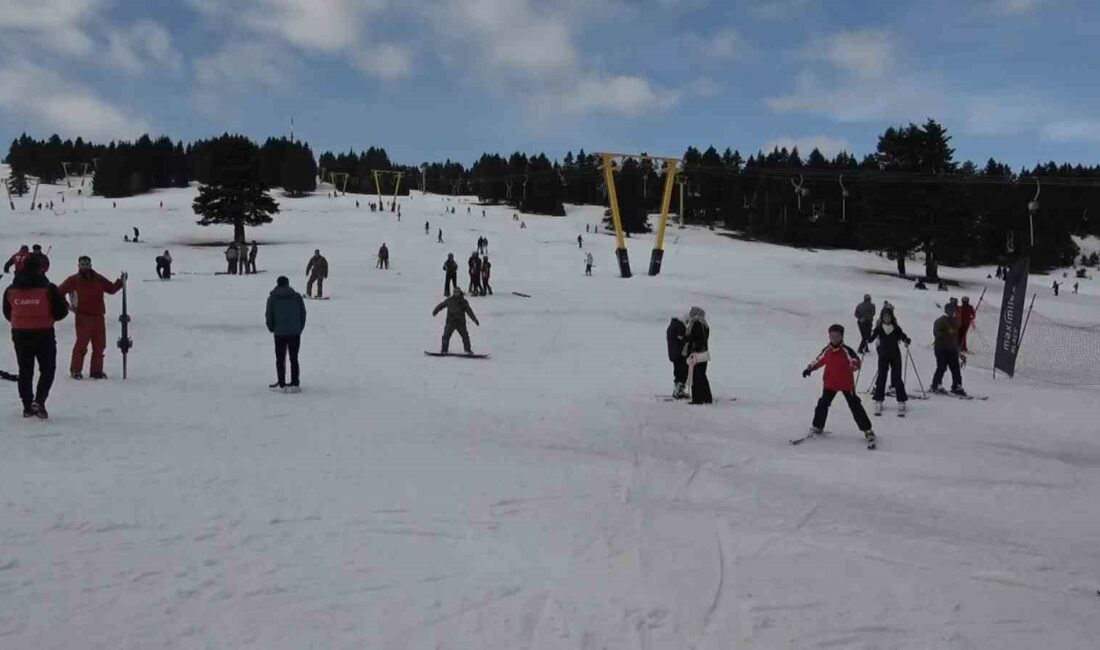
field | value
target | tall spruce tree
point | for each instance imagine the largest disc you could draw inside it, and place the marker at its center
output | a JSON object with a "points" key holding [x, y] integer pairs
{"points": [[235, 194]]}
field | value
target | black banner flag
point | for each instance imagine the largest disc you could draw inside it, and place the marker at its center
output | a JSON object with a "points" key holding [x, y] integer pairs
{"points": [[1012, 318]]}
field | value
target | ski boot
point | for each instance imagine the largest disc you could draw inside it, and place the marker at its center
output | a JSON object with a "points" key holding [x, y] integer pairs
{"points": [[77, 375], [872, 442], [958, 390], [878, 408]]}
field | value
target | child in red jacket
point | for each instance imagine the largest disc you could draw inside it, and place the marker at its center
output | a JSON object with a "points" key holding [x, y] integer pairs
{"points": [[839, 361]]}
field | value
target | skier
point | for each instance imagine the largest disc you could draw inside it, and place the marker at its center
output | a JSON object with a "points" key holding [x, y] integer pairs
{"points": [[32, 305], [384, 257], [674, 337], [242, 256], [286, 318], [356, 204], [946, 347], [1055, 287], [1075, 288], [698, 355], [164, 266], [450, 277], [586, 227], [17, 259], [840, 362], [86, 289], [439, 239], [43, 261], [966, 319], [457, 308], [136, 234], [426, 228], [865, 315], [232, 255], [588, 263], [485, 268], [317, 271], [252, 253], [467, 209], [890, 336], [580, 242], [474, 264]]}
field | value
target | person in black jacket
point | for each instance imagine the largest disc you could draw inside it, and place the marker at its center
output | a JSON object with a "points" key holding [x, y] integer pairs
{"points": [[450, 274], [286, 319], [698, 355], [674, 336], [890, 337], [32, 304], [474, 264]]}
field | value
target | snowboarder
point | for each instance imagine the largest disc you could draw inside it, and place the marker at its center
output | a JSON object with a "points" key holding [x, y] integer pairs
{"points": [[450, 274], [966, 319], [232, 256], [674, 337], [474, 264], [317, 271], [485, 268], [865, 316], [946, 347], [588, 263], [840, 363], [86, 289], [43, 260], [890, 336], [698, 355], [286, 318], [384, 257], [32, 305], [252, 253], [580, 242], [164, 266], [17, 259], [457, 308]]}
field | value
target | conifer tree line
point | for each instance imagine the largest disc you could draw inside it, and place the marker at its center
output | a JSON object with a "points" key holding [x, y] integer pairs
{"points": [[908, 196]]}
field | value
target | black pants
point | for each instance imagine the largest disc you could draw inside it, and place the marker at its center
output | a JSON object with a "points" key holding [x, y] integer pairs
{"points": [[485, 288], [947, 360], [451, 280], [231, 267], [890, 365], [284, 344], [680, 370], [164, 270], [864, 334], [32, 346], [700, 385], [588, 269], [450, 328], [821, 413], [251, 268], [475, 284]]}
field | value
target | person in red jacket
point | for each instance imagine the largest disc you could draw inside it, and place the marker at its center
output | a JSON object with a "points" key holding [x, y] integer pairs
{"points": [[966, 319], [839, 361], [32, 305], [17, 259], [88, 288]]}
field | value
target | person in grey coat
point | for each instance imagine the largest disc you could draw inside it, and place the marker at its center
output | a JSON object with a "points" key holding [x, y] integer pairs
{"points": [[865, 316], [286, 318]]}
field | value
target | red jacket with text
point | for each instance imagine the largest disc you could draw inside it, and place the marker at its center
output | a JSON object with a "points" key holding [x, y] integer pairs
{"points": [[839, 362], [32, 303]]}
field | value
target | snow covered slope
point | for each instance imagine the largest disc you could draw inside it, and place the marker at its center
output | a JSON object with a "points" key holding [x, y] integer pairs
{"points": [[543, 499]]}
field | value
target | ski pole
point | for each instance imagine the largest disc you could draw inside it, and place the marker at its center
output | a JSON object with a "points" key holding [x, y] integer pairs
{"points": [[860, 371], [916, 372]]}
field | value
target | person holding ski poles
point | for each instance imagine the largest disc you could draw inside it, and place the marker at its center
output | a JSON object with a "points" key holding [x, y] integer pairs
{"points": [[890, 338], [840, 363], [87, 289]]}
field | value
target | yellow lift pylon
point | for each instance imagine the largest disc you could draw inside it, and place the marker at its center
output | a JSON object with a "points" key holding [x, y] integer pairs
{"points": [[671, 167], [378, 187]]}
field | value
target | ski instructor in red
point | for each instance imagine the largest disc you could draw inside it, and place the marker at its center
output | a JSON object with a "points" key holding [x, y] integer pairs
{"points": [[88, 288]]}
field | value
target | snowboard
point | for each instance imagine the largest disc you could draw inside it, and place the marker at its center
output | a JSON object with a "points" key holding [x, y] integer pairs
{"points": [[316, 298], [228, 273], [462, 355]]}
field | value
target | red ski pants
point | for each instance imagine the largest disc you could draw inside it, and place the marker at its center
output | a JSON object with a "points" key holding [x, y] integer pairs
{"points": [[89, 329]]}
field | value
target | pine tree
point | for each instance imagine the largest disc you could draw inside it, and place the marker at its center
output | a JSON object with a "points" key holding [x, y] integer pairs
{"points": [[17, 184], [235, 194]]}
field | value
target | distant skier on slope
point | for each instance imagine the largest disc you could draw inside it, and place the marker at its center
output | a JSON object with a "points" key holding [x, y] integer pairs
{"points": [[232, 257], [317, 271], [474, 264], [674, 338], [840, 363], [865, 315], [890, 336], [457, 309], [286, 319], [164, 265], [580, 241], [945, 332], [384, 257], [450, 274], [253, 251], [966, 319], [697, 351], [486, 267], [588, 263]]}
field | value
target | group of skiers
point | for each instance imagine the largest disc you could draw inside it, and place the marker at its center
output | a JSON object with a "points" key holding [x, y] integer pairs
{"points": [[479, 275], [241, 258], [32, 304]]}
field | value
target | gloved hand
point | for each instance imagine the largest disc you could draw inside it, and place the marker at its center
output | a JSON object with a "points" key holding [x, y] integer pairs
{"points": [[806, 373]]}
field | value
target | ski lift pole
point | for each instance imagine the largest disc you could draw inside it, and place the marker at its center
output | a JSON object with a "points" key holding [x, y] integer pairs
{"points": [[125, 343]]}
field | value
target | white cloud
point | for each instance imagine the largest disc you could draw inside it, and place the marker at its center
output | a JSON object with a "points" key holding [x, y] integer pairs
{"points": [[892, 98], [51, 102], [704, 87], [386, 61], [143, 45], [623, 95], [777, 9], [1018, 6], [827, 145], [1072, 131], [868, 54], [725, 45], [59, 25]]}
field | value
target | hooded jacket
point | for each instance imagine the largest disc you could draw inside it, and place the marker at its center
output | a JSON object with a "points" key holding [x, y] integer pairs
{"points": [[286, 312]]}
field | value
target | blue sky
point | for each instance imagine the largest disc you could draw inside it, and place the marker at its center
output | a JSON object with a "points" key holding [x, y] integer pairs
{"points": [[437, 79]]}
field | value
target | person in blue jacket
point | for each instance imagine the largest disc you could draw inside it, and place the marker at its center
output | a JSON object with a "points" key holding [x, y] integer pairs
{"points": [[286, 318]]}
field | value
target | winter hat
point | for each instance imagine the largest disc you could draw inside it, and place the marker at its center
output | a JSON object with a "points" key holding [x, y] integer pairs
{"points": [[283, 281]]}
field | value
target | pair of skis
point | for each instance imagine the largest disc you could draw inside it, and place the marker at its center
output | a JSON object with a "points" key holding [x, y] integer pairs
{"points": [[872, 440]]}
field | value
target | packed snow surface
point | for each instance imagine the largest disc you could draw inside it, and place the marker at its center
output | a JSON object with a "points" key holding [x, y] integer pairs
{"points": [[544, 499]]}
